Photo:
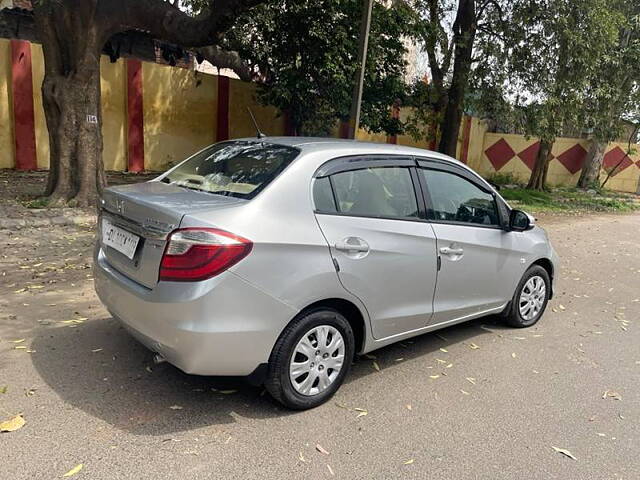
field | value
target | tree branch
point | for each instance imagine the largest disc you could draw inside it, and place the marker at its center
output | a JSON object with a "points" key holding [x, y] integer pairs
{"points": [[227, 59], [163, 21]]}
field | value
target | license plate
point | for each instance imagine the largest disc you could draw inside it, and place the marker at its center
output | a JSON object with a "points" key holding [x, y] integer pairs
{"points": [[119, 239]]}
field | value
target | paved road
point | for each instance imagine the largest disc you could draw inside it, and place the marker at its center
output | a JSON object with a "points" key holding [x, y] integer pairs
{"points": [[90, 394]]}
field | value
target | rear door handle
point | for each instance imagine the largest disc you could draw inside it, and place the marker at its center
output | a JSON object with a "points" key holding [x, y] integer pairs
{"points": [[352, 244], [451, 251]]}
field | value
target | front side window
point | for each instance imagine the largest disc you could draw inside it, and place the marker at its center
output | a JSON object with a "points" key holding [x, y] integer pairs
{"points": [[375, 192], [238, 169], [455, 199]]}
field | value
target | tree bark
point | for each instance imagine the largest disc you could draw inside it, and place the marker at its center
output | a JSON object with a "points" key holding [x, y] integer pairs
{"points": [[590, 175], [464, 29], [538, 178], [72, 46]]}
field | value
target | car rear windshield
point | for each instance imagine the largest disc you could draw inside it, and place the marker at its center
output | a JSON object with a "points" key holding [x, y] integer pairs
{"points": [[237, 169]]}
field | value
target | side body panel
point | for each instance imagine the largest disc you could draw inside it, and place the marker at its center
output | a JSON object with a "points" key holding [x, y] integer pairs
{"points": [[395, 278], [483, 276]]}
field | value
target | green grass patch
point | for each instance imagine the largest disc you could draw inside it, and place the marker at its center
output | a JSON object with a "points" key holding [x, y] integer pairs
{"points": [[40, 202], [571, 200]]}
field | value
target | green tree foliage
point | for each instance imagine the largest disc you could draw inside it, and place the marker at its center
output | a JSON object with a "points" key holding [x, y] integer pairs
{"points": [[304, 53], [457, 35], [613, 96], [556, 48]]}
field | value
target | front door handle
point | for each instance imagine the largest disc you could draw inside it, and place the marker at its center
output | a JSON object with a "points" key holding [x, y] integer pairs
{"points": [[352, 244], [451, 251]]}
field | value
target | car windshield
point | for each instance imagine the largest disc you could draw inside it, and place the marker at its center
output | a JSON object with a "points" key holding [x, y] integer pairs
{"points": [[238, 169]]}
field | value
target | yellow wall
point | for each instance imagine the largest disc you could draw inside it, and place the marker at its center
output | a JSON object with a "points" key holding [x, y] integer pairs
{"points": [[626, 180], [179, 113], [241, 96], [180, 117], [113, 88], [7, 144]]}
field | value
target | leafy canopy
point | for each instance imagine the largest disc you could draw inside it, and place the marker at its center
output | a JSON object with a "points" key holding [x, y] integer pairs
{"points": [[305, 54]]}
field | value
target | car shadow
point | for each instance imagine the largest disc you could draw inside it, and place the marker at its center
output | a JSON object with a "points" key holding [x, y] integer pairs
{"points": [[99, 368]]}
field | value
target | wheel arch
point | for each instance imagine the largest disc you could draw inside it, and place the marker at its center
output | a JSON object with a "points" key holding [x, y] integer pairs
{"points": [[350, 311], [548, 266]]}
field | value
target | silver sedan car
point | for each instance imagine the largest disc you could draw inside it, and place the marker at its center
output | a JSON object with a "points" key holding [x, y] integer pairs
{"points": [[281, 258]]}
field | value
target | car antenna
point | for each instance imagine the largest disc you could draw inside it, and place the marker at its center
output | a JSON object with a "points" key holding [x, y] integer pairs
{"points": [[259, 134]]}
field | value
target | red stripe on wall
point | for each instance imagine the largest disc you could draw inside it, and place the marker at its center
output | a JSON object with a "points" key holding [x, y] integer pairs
{"points": [[466, 137], [343, 130], [22, 94], [135, 117], [222, 132]]}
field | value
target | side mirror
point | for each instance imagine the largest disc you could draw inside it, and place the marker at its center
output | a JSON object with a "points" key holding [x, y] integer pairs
{"points": [[520, 221]]}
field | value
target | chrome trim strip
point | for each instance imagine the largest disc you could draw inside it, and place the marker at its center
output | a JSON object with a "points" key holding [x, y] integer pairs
{"points": [[153, 232]]}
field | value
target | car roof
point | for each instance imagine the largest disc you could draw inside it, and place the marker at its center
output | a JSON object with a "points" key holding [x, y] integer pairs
{"points": [[315, 144]]}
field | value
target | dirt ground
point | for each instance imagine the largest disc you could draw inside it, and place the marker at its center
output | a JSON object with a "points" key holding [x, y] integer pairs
{"points": [[474, 401]]}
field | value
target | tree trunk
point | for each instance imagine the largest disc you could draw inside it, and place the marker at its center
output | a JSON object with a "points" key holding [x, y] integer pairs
{"points": [[72, 45], [538, 179], [590, 175], [464, 29]]}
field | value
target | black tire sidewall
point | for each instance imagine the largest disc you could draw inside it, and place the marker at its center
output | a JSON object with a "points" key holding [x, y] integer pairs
{"points": [[514, 318], [281, 356]]}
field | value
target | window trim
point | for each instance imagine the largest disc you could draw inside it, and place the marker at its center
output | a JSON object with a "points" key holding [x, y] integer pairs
{"points": [[457, 172], [360, 162]]}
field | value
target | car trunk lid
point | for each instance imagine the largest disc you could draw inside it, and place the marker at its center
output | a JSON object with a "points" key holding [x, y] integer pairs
{"points": [[151, 211]]}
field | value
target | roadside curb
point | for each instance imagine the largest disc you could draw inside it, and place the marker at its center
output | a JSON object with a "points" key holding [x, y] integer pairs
{"points": [[18, 223]]}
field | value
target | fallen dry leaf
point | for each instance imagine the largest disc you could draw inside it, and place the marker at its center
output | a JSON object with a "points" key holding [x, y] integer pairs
{"points": [[175, 407], [473, 346], [376, 366], [471, 380], [361, 412], [409, 462], [464, 392], [612, 394], [444, 350], [227, 392], [409, 407], [18, 341], [321, 449], [16, 423], [330, 469], [3, 389], [301, 457], [96, 350], [513, 355], [564, 452], [73, 471], [433, 377]]}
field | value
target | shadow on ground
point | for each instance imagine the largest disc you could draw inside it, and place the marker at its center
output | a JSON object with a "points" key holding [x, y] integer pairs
{"points": [[120, 384]]}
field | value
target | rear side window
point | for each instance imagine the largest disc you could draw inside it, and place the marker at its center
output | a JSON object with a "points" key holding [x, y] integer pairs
{"points": [[455, 199], [323, 195], [371, 192], [238, 169]]}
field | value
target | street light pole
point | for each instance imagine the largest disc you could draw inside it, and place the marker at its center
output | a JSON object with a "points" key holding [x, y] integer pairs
{"points": [[356, 100]]}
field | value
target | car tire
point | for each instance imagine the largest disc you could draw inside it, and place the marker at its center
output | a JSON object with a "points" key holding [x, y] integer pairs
{"points": [[309, 325], [529, 303]]}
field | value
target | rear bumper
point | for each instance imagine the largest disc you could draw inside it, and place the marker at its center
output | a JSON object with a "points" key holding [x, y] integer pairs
{"points": [[222, 326]]}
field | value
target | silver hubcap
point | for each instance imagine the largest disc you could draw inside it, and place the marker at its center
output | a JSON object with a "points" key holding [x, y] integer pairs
{"points": [[316, 360], [532, 298]]}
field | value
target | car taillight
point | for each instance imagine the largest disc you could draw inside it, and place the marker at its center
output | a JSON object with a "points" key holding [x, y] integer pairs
{"points": [[194, 254]]}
